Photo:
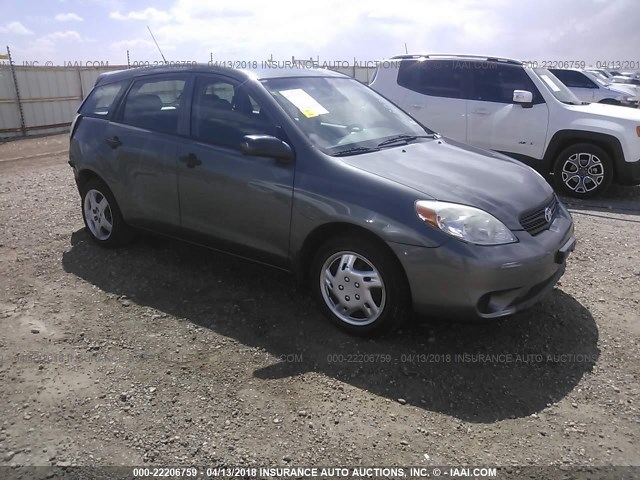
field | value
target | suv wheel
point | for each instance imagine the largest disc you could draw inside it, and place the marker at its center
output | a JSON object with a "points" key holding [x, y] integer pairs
{"points": [[583, 170], [102, 215], [359, 286]]}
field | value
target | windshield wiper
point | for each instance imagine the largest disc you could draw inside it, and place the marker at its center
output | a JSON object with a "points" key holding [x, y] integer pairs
{"points": [[403, 138], [355, 151]]}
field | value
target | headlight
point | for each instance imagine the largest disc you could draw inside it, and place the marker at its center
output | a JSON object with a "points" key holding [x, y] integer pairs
{"points": [[466, 223]]}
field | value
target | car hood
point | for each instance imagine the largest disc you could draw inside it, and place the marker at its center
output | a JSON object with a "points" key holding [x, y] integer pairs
{"points": [[609, 112], [450, 171], [622, 89]]}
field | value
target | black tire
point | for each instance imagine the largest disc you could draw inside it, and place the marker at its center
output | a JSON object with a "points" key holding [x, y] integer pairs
{"points": [[120, 233], [588, 181], [396, 304], [610, 101]]}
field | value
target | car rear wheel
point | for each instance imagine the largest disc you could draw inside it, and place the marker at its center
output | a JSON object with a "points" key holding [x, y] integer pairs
{"points": [[583, 170], [102, 216], [359, 285]]}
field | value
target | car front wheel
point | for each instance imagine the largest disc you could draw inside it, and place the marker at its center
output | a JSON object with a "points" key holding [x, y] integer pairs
{"points": [[359, 285], [583, 170]]}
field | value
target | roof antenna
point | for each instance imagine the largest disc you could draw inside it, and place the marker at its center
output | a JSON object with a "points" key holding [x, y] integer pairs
{"points": [[405, 48], [154, 39]]}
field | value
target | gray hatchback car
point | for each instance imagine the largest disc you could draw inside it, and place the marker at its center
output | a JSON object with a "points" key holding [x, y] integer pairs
{"points": [[313, 172]]}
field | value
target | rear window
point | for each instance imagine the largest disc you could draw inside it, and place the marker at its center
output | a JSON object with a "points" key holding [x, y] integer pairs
{"points": [[154, 103], [102, 99]]}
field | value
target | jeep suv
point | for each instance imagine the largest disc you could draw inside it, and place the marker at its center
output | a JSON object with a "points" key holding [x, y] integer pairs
{"points": [[526, 113]]}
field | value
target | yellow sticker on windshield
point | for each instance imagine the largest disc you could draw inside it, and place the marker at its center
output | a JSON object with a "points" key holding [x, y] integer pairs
{"points": [[304, 102]]}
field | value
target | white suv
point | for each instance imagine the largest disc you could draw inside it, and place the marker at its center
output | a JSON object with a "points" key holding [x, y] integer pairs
{"points": [[526, 113], [589, 88]]}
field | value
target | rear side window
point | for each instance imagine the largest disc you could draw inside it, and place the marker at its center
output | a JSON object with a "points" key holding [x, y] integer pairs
{"points": [[573, 79], [438, 78], [496, 83], [102, 99], [155, 104]]}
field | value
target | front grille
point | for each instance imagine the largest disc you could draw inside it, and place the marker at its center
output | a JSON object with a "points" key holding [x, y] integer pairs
{"points": [[534, 221]]}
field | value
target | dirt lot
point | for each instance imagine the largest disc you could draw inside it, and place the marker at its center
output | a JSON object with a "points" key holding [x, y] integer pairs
{"points": [[167, 354]]}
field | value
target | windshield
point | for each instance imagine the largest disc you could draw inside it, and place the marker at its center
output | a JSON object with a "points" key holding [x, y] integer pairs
{"points": [[556, 87], [598, 78], [341, 116]]}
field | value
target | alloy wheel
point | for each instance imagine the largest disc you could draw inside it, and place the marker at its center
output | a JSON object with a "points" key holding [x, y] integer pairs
{"points": [[352, 288], [583, 172], [98, 215]]}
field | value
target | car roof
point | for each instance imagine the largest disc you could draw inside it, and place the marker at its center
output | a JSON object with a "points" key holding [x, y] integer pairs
{"points": [[238, 74], [457, 56]]}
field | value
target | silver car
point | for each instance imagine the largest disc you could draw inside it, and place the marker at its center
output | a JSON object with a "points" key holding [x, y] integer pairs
{"points": [[313, 172]]}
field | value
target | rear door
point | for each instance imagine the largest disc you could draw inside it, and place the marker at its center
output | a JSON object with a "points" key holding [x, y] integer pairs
{"points": [[435, 96], [241, 202], [495, 122], [142, 138]]}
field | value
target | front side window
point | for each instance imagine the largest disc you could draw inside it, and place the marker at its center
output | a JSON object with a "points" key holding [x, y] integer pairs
{"points": [[496, 83], [438, 78], [341, 114], [102, 98], [223, 112], [155, 104]]}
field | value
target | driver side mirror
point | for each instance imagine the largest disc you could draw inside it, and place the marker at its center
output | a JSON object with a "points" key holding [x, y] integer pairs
{"points": [[266, 146], [523, 97]]}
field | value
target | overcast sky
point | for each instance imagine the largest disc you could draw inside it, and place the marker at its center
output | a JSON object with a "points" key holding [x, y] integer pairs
{"points": [[189, 30]]}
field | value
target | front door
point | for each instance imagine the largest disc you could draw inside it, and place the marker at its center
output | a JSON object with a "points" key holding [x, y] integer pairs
{"points": [[495, 122], [241, 201]]}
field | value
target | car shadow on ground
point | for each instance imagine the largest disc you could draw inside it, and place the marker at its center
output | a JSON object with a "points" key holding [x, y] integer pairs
{"points": [[623, 200], [476, 372]]}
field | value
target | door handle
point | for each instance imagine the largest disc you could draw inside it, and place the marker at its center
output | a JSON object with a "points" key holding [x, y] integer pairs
{"points": [[191, 160], [480, 111], [114, 142], [417, 106]]}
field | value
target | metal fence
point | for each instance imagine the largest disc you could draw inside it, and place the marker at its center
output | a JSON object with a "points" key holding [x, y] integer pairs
{"points": [[44, 100], [41, 100]]}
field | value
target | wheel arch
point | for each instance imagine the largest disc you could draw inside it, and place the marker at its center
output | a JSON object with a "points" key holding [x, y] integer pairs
{"points": [[316, 238], [565, 138], [85, 175]]}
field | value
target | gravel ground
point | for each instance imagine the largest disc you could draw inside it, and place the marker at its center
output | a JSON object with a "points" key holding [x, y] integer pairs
{"points": [[167, 354]]}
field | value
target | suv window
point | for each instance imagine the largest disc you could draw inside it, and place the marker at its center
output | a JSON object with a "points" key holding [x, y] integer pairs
{"points": [[102, 98], [439, 78], [154, 103], [223, 112], [496, 83], [573, 79]]}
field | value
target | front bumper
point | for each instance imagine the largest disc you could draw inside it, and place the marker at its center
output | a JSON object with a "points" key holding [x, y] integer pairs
{"points": [[463, 280]]}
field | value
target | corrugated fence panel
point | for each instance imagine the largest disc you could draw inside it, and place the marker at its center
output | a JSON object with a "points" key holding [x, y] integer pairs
{"points": [[50, 97], [9, 113]]}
